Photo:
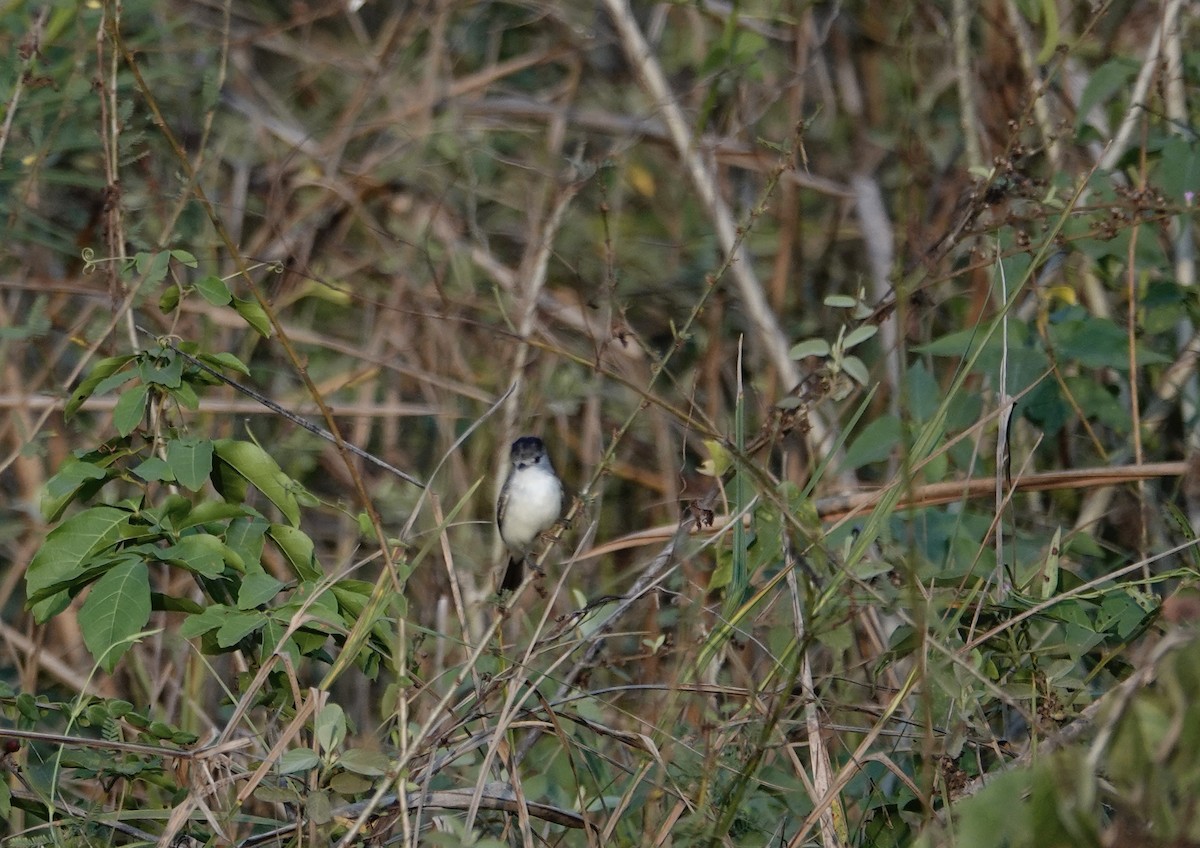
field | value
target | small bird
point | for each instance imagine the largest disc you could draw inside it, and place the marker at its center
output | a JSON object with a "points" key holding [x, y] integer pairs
{"points": [[530, 502]]}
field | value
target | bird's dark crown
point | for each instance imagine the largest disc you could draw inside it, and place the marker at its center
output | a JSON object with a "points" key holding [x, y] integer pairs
{"points": [[527, 450]]}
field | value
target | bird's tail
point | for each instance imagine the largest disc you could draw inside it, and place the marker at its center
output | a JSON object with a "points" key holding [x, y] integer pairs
{"points": [[513, 574]]}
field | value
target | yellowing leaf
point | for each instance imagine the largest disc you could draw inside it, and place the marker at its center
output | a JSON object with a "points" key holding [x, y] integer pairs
{"points": [[719, 459], [641, 180]]}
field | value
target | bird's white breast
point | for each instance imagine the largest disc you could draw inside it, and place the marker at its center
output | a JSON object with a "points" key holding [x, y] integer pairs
{"points": [[534, 504]]}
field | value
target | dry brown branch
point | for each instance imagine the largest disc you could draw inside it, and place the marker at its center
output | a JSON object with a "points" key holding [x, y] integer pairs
{"points": [[842, 507]]}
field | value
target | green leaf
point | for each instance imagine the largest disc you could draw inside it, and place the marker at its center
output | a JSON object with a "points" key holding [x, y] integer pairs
{"points": [[74, 477], [253, 315], [169, 299], [840, 301], [186, 396], [210, 619], [212, 511], [5, 801], [247, 537], [924, 393], [162, 369], [221, 361], [1099, 403], [154, 470], [809, 347], [152, 265], [330, 728], [297, 760], [1099, 343], [201, 553], [214, 290], [71, 546], [130, 409], [117, 607], [100, 371], [958, 343], [352, 596], [1178, 169], [853, 366], [298, 549], [859, 335], [1110, 78], [1049, 575], [190, 459], [184, 258], [318, 807], [874, 444], [115, 382], [257, 588], [253, 464], [367, 763], [238, 625], [170, 603]]}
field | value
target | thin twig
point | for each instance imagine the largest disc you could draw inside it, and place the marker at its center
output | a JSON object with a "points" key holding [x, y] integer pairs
{"points": [[288, 414]]}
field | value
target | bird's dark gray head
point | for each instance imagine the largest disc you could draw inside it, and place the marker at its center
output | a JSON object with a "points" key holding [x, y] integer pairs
{"points": [[526, 451]]}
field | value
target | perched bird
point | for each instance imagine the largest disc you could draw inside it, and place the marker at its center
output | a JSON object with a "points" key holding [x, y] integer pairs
{"points": [[530, 502]]}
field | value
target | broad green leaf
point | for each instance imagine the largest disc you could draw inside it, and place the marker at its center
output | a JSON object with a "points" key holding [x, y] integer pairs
{"points": [[253, 315], [163, 368], [809, 347], [238, 625], [152, 265], [165, 517], [253, 464], [117, 607], [722, 575], [352, 596], [210, 619], [70, 547], [246, 536], [219, 361], [1178, 169], [924, 393], [330, 728], [719, 460], [874, 444], [257, 588], [299, 550], [211, 512], [325, 605], [74, 477], [1049, 576], [184, 258], [169, 299], [859, 335], [1110, 78], [201, 553], [170, 603], [854, 366], [1099, 343], [318, 807], [367, 763], [101, 370], [958, 343], [190, 459], [214, 290], [297, 760], [153, 470], [186, 396], [130, 409]]}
